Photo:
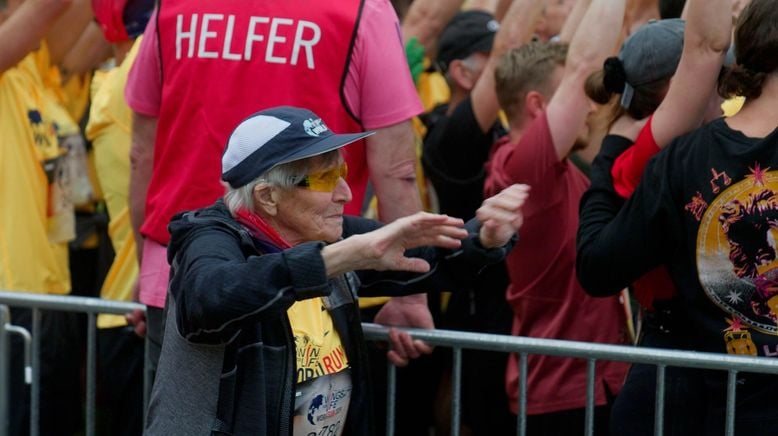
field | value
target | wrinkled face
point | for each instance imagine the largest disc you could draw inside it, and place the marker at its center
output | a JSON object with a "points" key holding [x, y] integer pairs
{"points": [[304, 215]]}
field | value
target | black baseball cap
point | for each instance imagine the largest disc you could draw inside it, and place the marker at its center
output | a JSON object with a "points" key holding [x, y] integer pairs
{"points": [[467, 33], [276, 136]]}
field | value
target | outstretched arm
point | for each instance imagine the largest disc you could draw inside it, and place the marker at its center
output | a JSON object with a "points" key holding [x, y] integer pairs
{"points": [[594, 40], [426, 19], [385, 248]]}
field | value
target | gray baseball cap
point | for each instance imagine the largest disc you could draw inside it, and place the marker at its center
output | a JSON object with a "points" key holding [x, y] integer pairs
{"points": [[650, 54]]}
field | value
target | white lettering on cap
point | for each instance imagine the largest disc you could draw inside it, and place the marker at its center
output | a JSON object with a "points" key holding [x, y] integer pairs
{"points": [[314, 127]]}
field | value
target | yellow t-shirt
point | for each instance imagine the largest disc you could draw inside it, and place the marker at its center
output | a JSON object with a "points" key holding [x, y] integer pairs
{"points": [[732, 106], [76, 91], [318, 347], [109, 129], [433, 90], [30, 261]]}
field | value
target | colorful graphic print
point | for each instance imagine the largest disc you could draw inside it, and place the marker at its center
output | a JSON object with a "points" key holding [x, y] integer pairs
{"points": [[737, 254]]}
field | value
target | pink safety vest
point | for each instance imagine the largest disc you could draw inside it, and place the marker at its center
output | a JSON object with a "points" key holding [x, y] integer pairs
{"points": [[223, 60]]}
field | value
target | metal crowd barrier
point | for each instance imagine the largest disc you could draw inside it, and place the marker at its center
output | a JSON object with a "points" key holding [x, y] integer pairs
{"points": [[38, 302], [456, 340]]}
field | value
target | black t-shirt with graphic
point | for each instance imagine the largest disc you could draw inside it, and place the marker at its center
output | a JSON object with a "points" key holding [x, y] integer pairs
{"points": [[707, 207]]}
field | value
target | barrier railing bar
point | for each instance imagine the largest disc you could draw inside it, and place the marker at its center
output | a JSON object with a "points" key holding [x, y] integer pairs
{"points": [[731, 382], [4, 370], [456, 390], [522, 412], [27, 339], [476, 341], [391, 380], [66, 303], [591, 366], [91, 372], [146, 378], [659, 402], [584, 350], [35, 394]]}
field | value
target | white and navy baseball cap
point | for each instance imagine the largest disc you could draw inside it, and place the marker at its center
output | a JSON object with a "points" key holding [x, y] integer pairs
{"points": [[277, 136]]}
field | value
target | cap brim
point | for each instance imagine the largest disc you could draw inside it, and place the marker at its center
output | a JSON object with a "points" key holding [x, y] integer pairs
{"points": [[332, 142]]}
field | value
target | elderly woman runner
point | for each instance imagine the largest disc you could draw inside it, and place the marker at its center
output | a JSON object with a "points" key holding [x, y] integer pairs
{"points": [[263, 333]]}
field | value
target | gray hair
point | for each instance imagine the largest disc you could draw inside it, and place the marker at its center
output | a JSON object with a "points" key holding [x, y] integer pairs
{"points": [[285, 175], [471, 62]]}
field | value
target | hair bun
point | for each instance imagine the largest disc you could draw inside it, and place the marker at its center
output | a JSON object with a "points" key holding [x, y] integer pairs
{"points": [[739, 81], [615, 77]]}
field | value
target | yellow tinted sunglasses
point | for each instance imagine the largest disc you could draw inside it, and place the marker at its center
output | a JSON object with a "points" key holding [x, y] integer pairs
{"points": [[324, 181]]}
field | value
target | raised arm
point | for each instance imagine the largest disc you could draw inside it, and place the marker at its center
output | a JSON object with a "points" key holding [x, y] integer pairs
{"points": [[26, 26], [426, 19], [573, 20], [90, 49], [516, 30], [594, 40], [66, 31], [706, 39]]}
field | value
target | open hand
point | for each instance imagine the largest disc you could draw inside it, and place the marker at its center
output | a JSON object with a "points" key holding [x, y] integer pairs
{"points": [[384, 248], [500, 216]]}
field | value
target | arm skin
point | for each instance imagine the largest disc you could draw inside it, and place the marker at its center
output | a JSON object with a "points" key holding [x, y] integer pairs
{"points": [[594, 40], [64, 34], [26, 27], [89, 51], [392, 161], [573, 20], [516, 30], [639, 12], [426, 19], [144, 129], [706, 39]]}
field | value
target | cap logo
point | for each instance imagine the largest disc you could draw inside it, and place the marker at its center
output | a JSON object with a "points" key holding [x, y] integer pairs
{"points": [[314, 127], [493, 25]]}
